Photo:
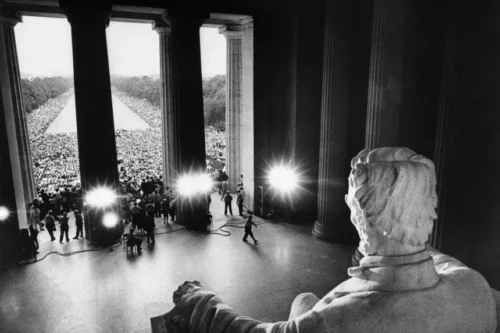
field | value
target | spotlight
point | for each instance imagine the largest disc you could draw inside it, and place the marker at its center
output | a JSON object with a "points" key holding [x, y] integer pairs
{"points": [[4, 213], [189, 185], [101, 197], [205, 182], [110, 220], [283, 178]]}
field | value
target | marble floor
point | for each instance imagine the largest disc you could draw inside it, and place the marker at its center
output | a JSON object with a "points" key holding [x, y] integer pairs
{"points": [[119, 291]]}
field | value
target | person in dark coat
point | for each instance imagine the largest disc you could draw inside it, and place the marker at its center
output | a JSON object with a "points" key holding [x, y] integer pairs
{"points": [[136, 215], [149, 225], [79, 224], [50, 224], [64, 227], [227, 203]]}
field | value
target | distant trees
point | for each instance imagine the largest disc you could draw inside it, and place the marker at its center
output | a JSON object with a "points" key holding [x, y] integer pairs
{"points": [[39, 90], [214, 101], [214, 95], [140, 87]]}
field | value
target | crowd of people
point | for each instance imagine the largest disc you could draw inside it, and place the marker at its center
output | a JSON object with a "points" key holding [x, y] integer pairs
{"points": [[55, 156]]}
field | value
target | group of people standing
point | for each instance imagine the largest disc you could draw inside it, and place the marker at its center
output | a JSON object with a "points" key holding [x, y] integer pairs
{"points": [[45, 211]]}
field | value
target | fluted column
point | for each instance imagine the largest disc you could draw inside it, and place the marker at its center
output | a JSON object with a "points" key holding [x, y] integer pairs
{"points": [[94, 112], [449, 81], [333, 217], [167, 100], [233, 34], [12, 194], [387, 80], [188, 109], [17, 129]]}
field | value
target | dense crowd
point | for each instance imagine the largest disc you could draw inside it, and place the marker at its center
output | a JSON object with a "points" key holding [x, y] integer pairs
{"points": [[55, 156]]}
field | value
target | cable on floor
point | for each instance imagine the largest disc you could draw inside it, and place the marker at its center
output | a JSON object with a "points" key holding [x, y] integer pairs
{"points": [[219, 231]]}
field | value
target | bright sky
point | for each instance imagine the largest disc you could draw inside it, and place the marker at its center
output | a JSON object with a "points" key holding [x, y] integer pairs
{"points": [[44, 48]]}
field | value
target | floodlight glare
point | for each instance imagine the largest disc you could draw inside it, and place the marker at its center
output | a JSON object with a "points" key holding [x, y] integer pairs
{"points": [[191, 184], [283, 178], [4, 213], [205, 182], [110, 220], [101, 197], [187, 185]]}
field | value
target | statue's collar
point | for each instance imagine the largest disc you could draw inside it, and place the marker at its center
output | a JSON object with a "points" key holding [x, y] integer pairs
{"points": [[393, 273], [386, 261]]}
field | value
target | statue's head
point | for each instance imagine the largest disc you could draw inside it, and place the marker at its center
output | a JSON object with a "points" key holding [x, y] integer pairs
{"points": [[393, 200]]}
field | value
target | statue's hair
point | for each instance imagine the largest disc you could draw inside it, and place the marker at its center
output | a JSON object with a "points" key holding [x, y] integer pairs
{"points": [[396, 189]]}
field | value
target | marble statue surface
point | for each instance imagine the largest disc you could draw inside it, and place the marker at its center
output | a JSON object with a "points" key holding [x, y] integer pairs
{"points": [[401, 285]]}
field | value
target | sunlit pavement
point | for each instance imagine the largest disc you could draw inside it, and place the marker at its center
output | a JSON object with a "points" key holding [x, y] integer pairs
{"points": [[119, 291]]}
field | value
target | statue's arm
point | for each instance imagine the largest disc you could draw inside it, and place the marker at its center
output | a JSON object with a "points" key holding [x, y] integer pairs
{"points": [[202, 311]]}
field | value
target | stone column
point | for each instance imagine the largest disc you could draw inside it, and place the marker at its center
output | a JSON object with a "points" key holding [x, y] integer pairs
{"points": [[11, 188], [188, 109], [167, 100], [450, 77], [94, 112], [387, 80], [233, 34], [247, 128], [333, 217], [17, 129]]}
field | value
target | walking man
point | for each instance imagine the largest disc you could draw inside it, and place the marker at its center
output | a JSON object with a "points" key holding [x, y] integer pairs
{"points": [[227, 203], [79, 224], [248, 227]]}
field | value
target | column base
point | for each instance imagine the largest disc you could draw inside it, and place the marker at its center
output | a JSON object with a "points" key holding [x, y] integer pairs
{"points": [[340, 235], [192, 212]]}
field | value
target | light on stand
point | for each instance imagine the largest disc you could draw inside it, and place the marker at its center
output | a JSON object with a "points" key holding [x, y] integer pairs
{"points": [[4, 213], [283, 178], [189, 185], [101, 197]]}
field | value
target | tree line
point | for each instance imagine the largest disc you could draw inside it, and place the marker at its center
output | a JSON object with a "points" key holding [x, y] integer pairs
{"points": [[214, 95], [39, 90]]}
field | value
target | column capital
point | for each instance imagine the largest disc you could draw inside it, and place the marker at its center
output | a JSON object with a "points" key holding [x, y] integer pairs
{"points": [[10, 17], [161, 27], [231, 30], [85, 14], [182, 15]]}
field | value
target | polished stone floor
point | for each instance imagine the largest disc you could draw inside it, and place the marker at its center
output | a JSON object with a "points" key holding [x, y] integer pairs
{"points": [[119, 291]]}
